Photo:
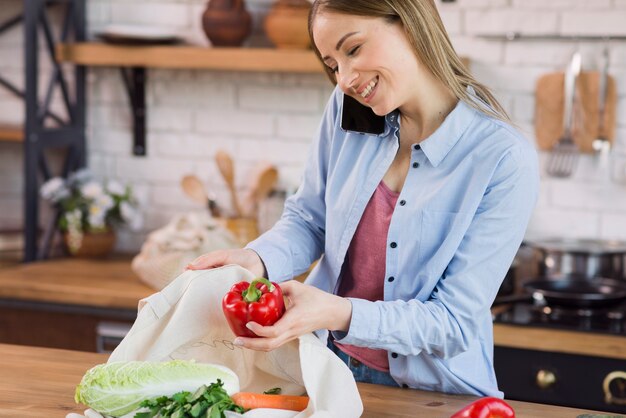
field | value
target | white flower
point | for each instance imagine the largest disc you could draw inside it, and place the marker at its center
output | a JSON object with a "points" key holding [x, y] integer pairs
{"points": [[96, 217], [73, 217], [54, 189], [104, 202], [92, 190], [116, 188]]}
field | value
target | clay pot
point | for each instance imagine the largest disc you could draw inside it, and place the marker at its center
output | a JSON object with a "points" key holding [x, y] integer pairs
{"points": [[226, 22], [286, 24], [92, 245]]}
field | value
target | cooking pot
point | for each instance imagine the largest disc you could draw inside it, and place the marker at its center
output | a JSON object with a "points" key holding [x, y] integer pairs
{"points": [[581, 257]]}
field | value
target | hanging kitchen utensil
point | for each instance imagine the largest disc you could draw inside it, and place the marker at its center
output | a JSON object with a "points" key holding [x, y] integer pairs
{"points": [[549, 110], [262, 185], [194, 188], [602, 144], [226, 167], [564, 156]]}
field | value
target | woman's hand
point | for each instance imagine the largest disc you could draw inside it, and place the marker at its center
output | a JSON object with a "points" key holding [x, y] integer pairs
{"points": [[245, 258], [308, 309]]}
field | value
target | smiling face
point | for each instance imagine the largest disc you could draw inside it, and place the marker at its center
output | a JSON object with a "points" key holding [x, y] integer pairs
{"points": [[371, 58]]}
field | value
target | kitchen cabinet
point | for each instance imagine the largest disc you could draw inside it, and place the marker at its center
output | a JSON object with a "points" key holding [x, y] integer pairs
{"points": [[70, 327], [562, 356], [40, 382], [69, 303], [562, 379]]}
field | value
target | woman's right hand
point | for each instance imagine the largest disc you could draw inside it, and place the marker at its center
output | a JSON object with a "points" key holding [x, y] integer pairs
{"points": [[245, 258]]}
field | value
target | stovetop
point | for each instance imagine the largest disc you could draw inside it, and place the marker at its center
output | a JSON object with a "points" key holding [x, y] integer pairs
{"points": [[610, 320]]}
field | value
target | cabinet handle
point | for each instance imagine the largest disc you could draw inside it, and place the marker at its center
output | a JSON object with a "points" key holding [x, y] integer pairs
{"points": [[609, 397], [545, 379]]}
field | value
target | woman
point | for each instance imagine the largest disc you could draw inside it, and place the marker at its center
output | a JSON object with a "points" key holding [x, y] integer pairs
{"points": [[417, 225]]}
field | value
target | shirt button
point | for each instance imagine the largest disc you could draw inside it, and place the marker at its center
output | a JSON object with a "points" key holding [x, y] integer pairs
{"points": [[402, 202], [416, 147], [416, 164], [394, 355], [393, 245], [391, 279]]}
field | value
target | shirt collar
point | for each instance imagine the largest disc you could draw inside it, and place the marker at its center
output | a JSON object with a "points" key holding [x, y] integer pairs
{"points": [[439, 144]]}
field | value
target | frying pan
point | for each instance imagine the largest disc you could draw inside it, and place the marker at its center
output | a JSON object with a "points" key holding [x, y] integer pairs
{"points": [[573, 292]]}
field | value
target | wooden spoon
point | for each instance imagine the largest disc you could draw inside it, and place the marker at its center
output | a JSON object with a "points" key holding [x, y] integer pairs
{"points": [[194, 188], [262, 185], [226, 167]]}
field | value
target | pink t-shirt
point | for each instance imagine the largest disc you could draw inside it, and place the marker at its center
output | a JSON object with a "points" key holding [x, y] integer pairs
{"points": [[363, 272]]}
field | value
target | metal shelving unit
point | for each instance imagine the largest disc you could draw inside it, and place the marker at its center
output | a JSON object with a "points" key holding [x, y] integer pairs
{"points": [[44, 129]]}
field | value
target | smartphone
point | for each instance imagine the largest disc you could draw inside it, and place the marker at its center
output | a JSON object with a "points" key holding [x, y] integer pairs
{"points": [[356, 117]]}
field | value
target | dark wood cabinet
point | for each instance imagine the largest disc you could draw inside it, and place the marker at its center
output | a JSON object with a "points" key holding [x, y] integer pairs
{"points": [[577, 381], [73, 327]]}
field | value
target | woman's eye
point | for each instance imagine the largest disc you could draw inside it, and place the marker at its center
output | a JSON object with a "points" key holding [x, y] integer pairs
{"points": [[354, 50]]}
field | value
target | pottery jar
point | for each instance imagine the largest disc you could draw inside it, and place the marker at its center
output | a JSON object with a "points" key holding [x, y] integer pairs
{"points": [[226, 22], [286, 24]]}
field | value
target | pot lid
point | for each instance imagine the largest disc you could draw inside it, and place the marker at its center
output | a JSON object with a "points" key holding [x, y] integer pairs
{"points": [[585, 246]]}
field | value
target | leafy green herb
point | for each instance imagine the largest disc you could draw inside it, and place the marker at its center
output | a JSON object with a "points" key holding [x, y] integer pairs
{"points": [[206, 402], [273, 391]]}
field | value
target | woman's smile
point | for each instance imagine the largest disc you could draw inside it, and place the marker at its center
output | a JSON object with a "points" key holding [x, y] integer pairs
{"points": [[368, 91]]}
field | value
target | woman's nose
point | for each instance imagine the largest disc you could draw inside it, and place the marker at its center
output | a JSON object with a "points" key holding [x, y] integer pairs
{"points": [[347, 80]]}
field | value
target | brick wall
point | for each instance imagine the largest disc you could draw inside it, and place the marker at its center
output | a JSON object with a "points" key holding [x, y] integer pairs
{"points": [[272, 117]]}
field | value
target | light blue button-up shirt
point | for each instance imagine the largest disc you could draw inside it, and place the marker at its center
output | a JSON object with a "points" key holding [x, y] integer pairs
{"points": [[468, 197]]}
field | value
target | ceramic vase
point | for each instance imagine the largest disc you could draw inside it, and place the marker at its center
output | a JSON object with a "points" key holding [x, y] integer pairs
{"points": [[286, 24], [226, 22]]}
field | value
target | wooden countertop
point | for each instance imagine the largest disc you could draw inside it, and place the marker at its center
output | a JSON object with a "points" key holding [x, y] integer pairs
{"points": [[112, 284], [40, 382], [108, 283]]}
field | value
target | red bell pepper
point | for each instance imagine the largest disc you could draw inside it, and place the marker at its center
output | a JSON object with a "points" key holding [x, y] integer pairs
{"points": [[260, 301], [486, 408]]}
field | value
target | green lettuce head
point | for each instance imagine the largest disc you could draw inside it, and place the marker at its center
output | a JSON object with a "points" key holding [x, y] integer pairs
{"points": [[116, 389]]}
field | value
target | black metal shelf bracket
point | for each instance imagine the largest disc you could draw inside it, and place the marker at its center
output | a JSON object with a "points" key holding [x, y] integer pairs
{"points": [[135, 83]]}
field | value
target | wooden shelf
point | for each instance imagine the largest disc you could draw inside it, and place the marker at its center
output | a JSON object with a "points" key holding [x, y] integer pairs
{"points": [[11, 133], [190, 57]]}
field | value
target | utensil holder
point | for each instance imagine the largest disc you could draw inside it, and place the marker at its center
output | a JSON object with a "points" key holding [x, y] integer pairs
{"points": [[244, 229]]}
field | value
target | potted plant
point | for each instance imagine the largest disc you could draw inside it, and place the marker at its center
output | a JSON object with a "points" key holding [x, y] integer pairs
{"points": [[90, 211]]}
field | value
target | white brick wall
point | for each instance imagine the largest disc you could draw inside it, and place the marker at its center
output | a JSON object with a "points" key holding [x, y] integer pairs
{"points": [[261, 117]]}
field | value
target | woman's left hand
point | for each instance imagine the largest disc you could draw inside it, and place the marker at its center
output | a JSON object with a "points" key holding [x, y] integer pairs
{"points": [[308, 309]]}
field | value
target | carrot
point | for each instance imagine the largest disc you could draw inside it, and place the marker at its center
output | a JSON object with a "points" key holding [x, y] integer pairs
{"points": [[249, 400]]}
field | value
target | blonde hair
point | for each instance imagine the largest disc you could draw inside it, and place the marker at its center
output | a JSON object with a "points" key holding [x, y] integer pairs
{"points": [[426, 33]]}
